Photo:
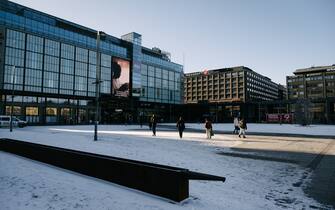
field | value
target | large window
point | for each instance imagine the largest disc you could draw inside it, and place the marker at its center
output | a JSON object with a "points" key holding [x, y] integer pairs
{"points": [[13, 75], [160, 85], [32, 114], [34, 60], [33, 80], [50, 82], [14, 57], [67, 51], [51, 47], [34, 43], [81, 69], [15, 39], [91, 73], [81, 55], [51, 114], [66, 84], [67, 66], [51, 63]]}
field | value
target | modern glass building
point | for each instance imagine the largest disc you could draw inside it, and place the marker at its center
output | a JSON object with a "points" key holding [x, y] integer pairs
{"points": [[49, 65]]}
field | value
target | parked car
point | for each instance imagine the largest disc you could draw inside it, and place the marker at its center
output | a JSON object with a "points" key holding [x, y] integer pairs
{"points": [[5, 121]]}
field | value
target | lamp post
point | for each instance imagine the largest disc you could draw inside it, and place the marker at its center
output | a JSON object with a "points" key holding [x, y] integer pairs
{"points": [[100, 35], [11, 107]]}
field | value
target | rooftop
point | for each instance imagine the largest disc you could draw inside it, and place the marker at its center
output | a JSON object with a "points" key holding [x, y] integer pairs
{"points": [[315, 69]]}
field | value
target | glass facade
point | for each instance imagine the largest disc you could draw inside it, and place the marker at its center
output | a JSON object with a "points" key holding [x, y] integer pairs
{"points": [[51, 65], [160, 85], [54, 28]]}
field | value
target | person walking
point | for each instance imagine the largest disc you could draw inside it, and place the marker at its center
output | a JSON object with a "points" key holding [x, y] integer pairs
{"points": [[140, 119], [181, 126], [243, 128], [208, 126], [153, 124], [236, 126], [150, 124]]}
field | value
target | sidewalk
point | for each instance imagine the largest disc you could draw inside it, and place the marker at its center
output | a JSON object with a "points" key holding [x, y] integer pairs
{"points": [[313, 131], [316, 155], [322, 187]]}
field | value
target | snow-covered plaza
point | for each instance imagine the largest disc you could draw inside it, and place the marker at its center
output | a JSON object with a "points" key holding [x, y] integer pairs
{"points": [[262, 172]]}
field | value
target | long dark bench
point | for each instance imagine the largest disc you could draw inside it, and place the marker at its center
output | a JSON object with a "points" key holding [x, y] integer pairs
{"points": [[165, 181]]}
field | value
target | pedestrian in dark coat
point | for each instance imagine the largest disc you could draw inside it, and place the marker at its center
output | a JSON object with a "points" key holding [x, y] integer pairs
{"points": [[153, 124], [208, 126], [243, 128], [150, 124], [181, 126], [236, 126]]}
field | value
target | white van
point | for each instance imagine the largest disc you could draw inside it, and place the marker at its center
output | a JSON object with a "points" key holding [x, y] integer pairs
{"points": [[5, 121]]}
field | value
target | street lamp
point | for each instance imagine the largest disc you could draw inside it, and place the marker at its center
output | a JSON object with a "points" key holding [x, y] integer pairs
{"points": [[100, 35], [11, 107]]}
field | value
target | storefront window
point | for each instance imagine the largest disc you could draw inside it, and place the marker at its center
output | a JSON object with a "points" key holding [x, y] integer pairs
{"points": [[81, 116], [32, 114], [66, 115], [16, 110], [51, 115], [33, 111]]}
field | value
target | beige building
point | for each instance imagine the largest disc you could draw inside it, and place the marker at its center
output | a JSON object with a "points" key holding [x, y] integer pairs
{"points": [[313, 87], [236, 84]]}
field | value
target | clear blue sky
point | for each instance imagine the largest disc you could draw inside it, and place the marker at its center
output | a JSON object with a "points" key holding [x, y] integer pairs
{"points": [[272, 37]]}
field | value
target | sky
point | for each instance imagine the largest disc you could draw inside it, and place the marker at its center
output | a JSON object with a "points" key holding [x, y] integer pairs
{"points": [[272, 37]]}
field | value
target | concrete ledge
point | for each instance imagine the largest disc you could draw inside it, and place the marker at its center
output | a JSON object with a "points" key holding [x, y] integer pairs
{"points": [[165, 181]]}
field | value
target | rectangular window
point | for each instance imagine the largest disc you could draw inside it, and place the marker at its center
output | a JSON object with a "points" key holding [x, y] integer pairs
{"points": [[92, 71], [158, 73], [14, 57], [92, 57], [165, 74], [51, 47], [158, 83], [32, 111], [165, 84], [67, 51], [67, 66], [15, 39], [151, 71], [171, 75], [50, 80], [33, 80], [13, 75], [106, 60], [81, 55], [151, 92], [80, 83], [51, 63], [144, 69], [34, 43], [144, 80], [66, 84], [34, 60], [81, 69], [151, 81]]}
